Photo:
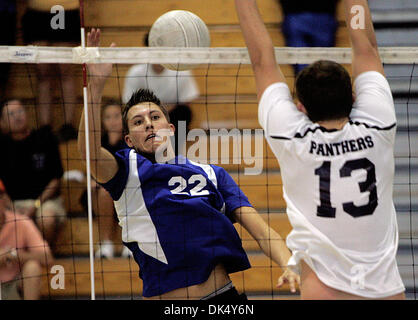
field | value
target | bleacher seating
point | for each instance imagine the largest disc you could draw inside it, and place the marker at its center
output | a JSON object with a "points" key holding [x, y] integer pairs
{"points": [[227, 104]]}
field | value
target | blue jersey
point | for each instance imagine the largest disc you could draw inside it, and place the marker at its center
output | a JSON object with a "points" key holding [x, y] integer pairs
{"points": [[177, 219]]}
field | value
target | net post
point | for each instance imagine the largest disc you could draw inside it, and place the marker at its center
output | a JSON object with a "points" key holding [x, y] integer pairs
{"points": [[88, 169]]}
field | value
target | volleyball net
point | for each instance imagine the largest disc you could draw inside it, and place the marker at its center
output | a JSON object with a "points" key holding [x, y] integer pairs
{"points": [[223, 130]]}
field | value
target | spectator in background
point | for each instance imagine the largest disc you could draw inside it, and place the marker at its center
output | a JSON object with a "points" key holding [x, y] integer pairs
{"points": [[7, 37], [23, 253], [38, 30], [177, 89], [309, 23], [112, 140], [31, 169]]}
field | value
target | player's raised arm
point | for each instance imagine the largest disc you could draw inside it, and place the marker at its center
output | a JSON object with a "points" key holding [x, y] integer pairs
{"points": [[363, 38], [260, 45], [103, 164]]}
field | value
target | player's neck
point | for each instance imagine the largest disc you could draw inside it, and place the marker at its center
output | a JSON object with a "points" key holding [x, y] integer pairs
{"points": [[333, 124]]}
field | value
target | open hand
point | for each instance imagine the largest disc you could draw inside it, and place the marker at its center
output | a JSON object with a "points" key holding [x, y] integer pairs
{"points": [[290, 277], [98, 71]]}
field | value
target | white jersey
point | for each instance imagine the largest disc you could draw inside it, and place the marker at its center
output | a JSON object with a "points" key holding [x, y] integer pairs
{"points": [[338, 188], [172, 87]]}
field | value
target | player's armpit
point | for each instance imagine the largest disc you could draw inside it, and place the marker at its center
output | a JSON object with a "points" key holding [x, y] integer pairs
{"points": [[266, 75]]}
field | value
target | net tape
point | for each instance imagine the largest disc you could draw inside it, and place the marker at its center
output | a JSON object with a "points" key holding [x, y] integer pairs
{"points": [[136, 55]]}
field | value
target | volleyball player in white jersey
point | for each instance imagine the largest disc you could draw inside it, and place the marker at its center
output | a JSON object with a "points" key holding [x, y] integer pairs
{"points": [[336, 158]]}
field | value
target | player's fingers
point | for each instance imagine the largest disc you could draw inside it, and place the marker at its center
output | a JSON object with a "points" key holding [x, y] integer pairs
{"points": [[292, 284], [98, 33], [280, 282]]}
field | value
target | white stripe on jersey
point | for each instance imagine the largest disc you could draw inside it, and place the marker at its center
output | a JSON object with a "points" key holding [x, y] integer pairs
{"points": [[209, 171], [134, 218]]}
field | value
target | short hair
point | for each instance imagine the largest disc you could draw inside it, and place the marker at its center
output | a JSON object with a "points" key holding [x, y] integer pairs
{"points": [[140, 96], [325, 90]]}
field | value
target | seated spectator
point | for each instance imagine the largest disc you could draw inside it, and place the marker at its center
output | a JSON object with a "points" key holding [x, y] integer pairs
{"points": [[309, 23], [112, 140], [23, 254], [177, 89], [38, 31], [31, 169]]}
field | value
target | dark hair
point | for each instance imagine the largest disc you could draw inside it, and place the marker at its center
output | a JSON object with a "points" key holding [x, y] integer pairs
{"points": [[2, 105], [140, 96], [325, 90]]}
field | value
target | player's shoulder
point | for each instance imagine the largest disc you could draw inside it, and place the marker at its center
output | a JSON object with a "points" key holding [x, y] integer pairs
{"points": [[371, 76]]}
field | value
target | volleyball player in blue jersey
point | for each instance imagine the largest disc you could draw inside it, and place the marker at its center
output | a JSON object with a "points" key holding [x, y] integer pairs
{"points": [[176, 217]]}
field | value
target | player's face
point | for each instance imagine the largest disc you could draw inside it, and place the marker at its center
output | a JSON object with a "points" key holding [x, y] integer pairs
{"points": [[148, 128], [112, 119], [14, 119]]}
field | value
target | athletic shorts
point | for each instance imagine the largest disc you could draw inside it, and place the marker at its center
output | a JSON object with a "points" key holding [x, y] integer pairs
{"points": [[226, 293], [36, 26]]}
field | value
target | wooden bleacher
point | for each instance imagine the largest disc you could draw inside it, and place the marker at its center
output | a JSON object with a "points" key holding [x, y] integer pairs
{"points": [[226, 104]]}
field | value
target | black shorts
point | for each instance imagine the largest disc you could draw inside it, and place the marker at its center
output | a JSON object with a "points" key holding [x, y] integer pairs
{"points": [[36, 26], [229, 295]]}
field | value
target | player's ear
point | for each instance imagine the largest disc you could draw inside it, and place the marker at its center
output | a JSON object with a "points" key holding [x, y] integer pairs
{"points": [[128, 141], [172, 128], [301, 107]]}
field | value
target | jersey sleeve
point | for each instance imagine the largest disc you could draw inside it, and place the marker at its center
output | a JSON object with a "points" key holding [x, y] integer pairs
{"points": [[374, 102], [232, 194], [116, 185], [277, 113]]}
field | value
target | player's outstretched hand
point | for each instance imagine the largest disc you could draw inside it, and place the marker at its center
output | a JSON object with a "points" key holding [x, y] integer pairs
{"points": [[98, 71], [290, 277]]}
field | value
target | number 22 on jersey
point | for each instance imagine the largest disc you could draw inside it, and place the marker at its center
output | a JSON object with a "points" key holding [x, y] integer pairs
{"points": [[182, 184], [326, 210]]}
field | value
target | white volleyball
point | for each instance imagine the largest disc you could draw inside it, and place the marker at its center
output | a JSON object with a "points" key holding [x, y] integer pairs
{"points": [[179, 28]]}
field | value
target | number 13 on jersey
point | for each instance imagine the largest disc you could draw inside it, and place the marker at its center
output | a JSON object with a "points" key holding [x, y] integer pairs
{"points": [[325, 208]]}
